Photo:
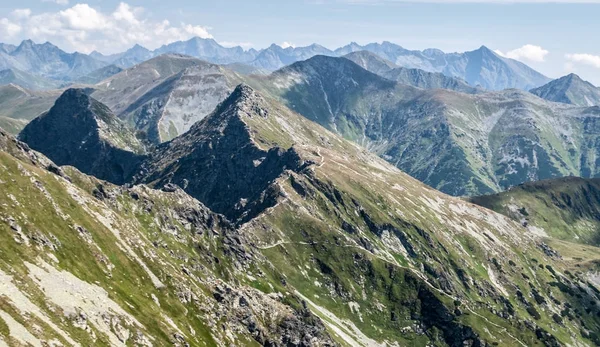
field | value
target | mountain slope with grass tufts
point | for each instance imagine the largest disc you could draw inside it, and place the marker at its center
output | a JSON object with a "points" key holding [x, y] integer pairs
{"points": [[565, 208], [338, 245]]}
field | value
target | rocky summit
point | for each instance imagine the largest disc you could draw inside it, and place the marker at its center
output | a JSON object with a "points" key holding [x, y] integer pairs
{"points": [[82, 132], [259, 226]]}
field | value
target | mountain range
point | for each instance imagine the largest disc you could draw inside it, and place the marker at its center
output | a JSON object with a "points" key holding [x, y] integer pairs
{"points": [[319, 241], [459, 143], [47, 60], [479, 68]]}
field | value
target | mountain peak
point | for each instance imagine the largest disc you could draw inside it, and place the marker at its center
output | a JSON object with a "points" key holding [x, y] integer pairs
{"points": [[80, 131], [569, 89]]}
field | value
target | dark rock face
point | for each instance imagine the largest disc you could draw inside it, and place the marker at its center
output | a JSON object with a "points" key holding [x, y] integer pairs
{"points": [[218, 163], [74, 133]]}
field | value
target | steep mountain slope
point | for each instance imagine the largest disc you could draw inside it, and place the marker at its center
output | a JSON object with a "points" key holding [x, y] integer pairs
{"points": [[99, 75], [18, 105], [458, 143], [481, 67], [167, 94], [570, 89], [566, 208], [414, 77], [80, 131], [48, 61], [85, 263], [26, 80], [378, 257]]}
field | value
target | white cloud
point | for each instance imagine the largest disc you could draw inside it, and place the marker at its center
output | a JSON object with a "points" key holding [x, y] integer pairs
{"points": [[8, 28], [287, 45], [528, 52], [583, 58], [21, 13], [85, 28]]}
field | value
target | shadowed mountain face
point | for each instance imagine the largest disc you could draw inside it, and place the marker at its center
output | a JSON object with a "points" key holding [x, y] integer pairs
{"points": [[458, 143], [218, 162], [319, 225], [570, 89], [81, 132], [566, 208]]}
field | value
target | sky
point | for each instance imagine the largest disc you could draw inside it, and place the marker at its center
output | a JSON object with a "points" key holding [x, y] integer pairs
{"points": [[554, 37]]}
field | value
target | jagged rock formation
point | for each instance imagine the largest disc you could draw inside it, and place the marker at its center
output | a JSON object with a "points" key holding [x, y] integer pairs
{"points": [[235, 170], [87, 263], [412, 77], [570, 89], [82, 132], [565, 208]]}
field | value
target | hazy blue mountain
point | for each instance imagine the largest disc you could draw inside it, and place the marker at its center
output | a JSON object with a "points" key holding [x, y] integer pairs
{"points": [[7, 48], [414, 77], [48, 61], [106, 58], [99, 75], [27, 80], [209, 50], [570, 89], [481, 67], [133, 56], [244, 69], [276, 57]]}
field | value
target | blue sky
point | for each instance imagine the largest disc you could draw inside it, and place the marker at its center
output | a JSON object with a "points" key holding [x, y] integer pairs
{"points": [[553, 37]]}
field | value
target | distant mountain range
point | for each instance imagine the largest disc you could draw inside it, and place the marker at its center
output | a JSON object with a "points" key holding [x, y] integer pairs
{"points": [[479, 68], [409, 76], [47, 60]]}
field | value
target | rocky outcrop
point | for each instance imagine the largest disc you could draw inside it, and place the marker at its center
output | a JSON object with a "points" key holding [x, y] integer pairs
{"points": [[82, 132], [220, 164]]}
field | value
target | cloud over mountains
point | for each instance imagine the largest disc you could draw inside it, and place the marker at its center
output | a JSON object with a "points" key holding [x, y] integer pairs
{"points": [[85, 28]]}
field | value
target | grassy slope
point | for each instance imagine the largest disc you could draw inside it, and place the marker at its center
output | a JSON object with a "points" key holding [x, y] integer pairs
{"points": [[406, 250], [566, 208]]}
